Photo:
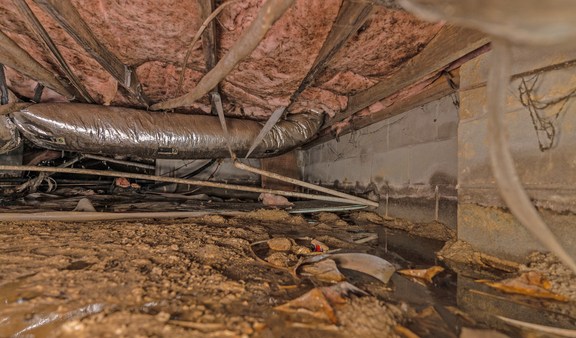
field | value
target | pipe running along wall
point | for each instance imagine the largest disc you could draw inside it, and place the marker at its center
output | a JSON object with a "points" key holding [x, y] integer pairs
{"points": [[123, 131]]}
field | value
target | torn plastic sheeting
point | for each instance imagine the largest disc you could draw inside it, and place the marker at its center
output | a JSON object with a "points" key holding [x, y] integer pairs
{"points": [[9, 136], [124, 131], [365, 263]]}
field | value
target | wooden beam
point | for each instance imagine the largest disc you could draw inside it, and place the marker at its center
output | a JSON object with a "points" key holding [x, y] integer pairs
{"points": [[436, 90], [450, 44], [82, 94], [351, 16], [64, 12], [18, 59]]}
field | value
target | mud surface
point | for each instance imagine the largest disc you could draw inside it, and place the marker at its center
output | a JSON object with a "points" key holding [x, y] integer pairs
{"points": [[169, 278], [214, 277]]}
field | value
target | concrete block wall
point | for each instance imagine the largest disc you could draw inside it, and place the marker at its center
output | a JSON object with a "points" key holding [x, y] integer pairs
{"points": [[405, 157], [549, 176]]}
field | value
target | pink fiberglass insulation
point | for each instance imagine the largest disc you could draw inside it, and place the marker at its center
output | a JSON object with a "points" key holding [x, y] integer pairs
{"points": [[389, 38], [153, 37]]}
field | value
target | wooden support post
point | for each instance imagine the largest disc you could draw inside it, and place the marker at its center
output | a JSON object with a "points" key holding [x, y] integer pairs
{"points": [[209, 41]]}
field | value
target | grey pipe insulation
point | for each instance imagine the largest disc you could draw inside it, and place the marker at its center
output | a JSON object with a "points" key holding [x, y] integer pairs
{"points": [[115, 131]]}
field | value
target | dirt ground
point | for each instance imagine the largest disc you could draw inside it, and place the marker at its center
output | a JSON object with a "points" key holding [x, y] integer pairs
{"points": [[221, 276], [195, 277]]}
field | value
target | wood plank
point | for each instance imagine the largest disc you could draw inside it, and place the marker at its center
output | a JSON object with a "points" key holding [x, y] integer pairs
{"points": [[436, 90], [450, 44], [351, 16], [81, 93], [64, 12]]}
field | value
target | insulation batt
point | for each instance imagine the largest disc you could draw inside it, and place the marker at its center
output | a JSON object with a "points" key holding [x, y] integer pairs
{"points": [[9, 136], [153, 36], [123, 131]]}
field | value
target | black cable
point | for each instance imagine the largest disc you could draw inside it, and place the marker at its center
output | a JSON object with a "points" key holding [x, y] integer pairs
{"points": [[190, 175]]}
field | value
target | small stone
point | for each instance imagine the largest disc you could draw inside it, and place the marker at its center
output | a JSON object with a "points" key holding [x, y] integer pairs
{"points": [[163, 317], [280, 244], [278, 259], [325, 270], [259, 326]]}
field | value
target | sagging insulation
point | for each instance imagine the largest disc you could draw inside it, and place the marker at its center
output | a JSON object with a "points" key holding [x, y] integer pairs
{"points": [[9, 136], [123, 131]]}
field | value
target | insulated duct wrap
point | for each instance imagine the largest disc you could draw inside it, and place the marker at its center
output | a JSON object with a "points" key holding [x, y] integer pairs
{"points": [[122, 131], [9, 136]]}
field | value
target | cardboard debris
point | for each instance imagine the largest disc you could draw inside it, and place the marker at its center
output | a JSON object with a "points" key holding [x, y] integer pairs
{"points": [[365, 263], [531, 283], [425, 274], [325, 271], [318, 303]]}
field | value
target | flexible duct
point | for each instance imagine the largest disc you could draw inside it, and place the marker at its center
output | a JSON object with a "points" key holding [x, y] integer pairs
{"points": [[124, 131]]}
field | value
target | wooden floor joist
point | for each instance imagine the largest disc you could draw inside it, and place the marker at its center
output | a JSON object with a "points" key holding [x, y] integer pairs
{"points": [[450, 44], [81, 93], [18, 59], [351, 16], [439, 88], [209, 41], [64, 12]]}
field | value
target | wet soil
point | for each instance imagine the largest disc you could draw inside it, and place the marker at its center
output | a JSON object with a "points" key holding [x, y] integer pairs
{"points": [[200, 277]]}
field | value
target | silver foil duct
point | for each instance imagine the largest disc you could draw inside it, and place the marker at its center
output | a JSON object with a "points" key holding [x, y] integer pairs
{"points": [[122, 131]]}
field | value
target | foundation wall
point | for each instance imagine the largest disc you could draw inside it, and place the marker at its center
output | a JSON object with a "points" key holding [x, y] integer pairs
{"points": [[549, 175], [405, 157]]}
